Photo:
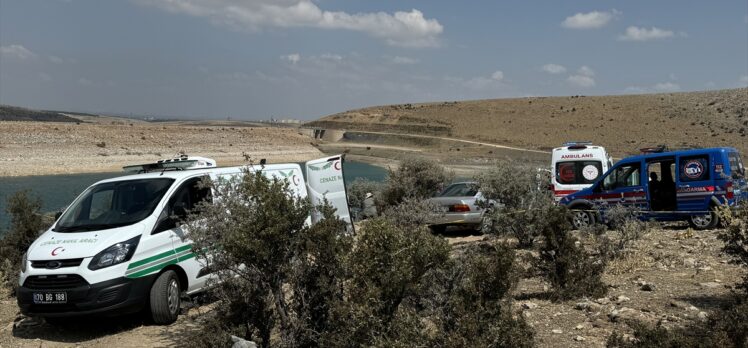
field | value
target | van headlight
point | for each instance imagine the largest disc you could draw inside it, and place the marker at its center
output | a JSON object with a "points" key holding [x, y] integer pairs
{"points": [[24, 261], [115, 254]]}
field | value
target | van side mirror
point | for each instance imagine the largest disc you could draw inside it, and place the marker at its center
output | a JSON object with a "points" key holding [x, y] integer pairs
{"points": [[57, 215]]}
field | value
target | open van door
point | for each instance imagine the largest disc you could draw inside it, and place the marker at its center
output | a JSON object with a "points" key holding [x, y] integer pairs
{"points": [[324, 179]]}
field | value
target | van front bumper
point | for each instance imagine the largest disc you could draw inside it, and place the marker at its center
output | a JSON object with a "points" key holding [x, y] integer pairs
{"points": [[108, 298]]}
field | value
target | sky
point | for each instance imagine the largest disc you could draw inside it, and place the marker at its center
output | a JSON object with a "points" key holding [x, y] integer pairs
{"points": [[303, 59]]}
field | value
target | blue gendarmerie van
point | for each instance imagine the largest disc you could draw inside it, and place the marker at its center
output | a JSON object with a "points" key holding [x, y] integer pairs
{"points": [[666, 186]]}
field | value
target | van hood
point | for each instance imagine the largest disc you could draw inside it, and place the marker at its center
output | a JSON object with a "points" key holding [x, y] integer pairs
{"points": [[74, 245]]}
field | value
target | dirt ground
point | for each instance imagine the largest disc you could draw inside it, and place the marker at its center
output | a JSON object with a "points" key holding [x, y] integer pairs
{"points": [[106, 144], [675, 276]]}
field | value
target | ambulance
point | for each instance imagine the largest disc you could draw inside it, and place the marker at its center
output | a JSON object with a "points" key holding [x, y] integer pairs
{"points": [[577, 165], [118, 247]]}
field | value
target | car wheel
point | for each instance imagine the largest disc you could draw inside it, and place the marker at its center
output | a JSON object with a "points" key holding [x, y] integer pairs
{"points": [[704, 222], [581, 219], [165, 298]]}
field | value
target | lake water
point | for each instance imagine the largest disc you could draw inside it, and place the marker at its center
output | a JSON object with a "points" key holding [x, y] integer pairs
{"points": [[57, 191]]}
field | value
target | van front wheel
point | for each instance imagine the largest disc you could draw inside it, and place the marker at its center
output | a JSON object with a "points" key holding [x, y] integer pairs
{"points": [[704, 222], [165, 294]]}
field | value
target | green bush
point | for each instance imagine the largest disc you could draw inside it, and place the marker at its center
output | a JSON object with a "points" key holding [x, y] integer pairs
{"points": [[476, 309], [735, 237], [276, 272], [386, 272], [629, 228], [27, 223], [519, 203], [570, 269], [416, 178]]}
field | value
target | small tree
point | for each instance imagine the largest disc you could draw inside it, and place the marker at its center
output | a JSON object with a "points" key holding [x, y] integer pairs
{"points": [[627, 225], [563, 261], [386, 273], [26, 224], [415, 178], [275, 272], [516, 204]]}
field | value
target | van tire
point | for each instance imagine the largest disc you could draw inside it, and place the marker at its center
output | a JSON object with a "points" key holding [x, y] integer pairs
{"points": [[165, 298], [704, 222], [581, 217]]}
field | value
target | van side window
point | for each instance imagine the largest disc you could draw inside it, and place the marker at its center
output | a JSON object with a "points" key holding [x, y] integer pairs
{"points": [[183, 201], [694, 168], [736, 165], [623, 176]]}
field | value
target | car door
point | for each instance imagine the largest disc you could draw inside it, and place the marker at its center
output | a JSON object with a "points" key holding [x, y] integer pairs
{"points": [[625, 185], [695, 187], [325, 180]]}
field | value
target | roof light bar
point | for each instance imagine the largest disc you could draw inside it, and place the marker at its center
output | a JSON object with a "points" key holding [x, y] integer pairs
{"points": [[182, 162]]}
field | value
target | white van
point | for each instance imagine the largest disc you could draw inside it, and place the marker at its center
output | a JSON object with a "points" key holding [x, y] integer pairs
{"points": [[116, 248], [576, 166]]}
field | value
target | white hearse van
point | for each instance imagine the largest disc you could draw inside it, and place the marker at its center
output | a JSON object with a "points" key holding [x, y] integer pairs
{"points": [[576, 166], [116, 249]]}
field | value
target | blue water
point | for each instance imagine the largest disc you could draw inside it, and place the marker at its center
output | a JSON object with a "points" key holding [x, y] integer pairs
{"points": [[57, 191]]}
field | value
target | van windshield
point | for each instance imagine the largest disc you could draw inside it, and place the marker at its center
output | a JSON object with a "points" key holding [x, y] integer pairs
{"points": [[113, 204], [578, 172]]}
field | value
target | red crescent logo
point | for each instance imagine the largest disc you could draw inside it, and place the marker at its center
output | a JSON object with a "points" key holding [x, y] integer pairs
{"points": [[295, 180], [337, 165], [55, 252]]}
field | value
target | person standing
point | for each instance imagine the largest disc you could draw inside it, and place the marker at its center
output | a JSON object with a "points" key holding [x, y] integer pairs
{"points": [[370, 210]]}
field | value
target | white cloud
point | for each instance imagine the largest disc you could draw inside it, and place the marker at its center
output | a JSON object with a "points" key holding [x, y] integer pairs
{"points": [[743, 81], [643, 34], [403, 60], [17, 51], [554, 68], [590, 20], [498, 75], [330, 56], [55, 59], [656, 88], [408, 29], [666, 87], [293, 58], [581, 81], [586, 71]]}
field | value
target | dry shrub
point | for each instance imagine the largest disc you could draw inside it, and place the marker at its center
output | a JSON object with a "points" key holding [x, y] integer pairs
{"points": [[571, 270], [415, 178], [516, 205], [27, 223]]}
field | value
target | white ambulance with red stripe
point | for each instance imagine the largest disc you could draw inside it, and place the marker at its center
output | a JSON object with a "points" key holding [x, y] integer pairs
{"points": [[577, 165]]}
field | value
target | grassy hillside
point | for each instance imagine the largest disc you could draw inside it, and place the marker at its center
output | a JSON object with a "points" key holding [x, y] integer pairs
{"points": [[13, 113], [622, 123]]}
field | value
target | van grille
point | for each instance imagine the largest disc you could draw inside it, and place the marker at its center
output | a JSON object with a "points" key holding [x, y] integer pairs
{"points": [[50, 264], [62, 281]]}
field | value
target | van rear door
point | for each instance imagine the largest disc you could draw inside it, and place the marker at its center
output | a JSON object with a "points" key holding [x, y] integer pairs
{"points": [[325, 181]]}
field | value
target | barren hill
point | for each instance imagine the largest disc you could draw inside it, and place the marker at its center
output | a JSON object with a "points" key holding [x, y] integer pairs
{"points": [[13, 113], [622, 123]]}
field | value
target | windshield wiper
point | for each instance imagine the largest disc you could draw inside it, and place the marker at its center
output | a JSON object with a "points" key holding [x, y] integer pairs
{"points": [[83, 228]]}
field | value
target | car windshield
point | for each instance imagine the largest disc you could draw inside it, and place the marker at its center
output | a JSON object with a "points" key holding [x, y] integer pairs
{"points": [[736, 165], [459, 190], [113, 204]]}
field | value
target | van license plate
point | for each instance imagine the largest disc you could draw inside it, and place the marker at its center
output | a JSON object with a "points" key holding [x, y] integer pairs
{"points": [[50, 297]]}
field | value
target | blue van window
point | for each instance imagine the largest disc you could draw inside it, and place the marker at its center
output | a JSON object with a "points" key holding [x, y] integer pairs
{"points": [[694, 168], [736, 165]]}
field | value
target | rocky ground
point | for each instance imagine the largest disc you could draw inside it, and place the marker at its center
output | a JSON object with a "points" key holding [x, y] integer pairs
{"points": [[674, 276], [104, 144]]}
